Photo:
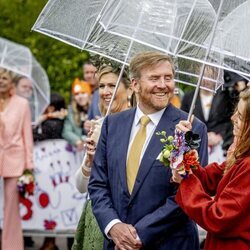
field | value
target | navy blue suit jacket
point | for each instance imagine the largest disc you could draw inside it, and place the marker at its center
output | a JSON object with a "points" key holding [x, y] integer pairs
{"points": [[151, 209]]}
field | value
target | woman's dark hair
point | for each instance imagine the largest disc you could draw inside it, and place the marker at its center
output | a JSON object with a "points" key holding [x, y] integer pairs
{"points": [[57, 101]]}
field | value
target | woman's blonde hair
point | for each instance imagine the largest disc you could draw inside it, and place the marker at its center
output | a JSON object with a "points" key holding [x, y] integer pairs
{"points": [[107, 69], [242, 147], [13, 76]]}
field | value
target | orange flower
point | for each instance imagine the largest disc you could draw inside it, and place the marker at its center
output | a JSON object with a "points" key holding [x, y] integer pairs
{"points": [[190, 160]]}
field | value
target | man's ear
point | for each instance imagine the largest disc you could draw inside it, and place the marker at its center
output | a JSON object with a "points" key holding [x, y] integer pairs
{"points": [[135, 85]]}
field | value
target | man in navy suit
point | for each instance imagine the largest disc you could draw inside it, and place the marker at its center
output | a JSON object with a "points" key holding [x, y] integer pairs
{"points": [[147, 216]]}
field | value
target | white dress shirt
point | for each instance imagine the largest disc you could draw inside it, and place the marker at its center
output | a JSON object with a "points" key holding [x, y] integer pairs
{"points": [[206, 103], [150, 130]]}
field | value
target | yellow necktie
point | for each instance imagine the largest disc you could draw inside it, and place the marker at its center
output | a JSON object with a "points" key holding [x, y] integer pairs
{"points": [[135, 153]]}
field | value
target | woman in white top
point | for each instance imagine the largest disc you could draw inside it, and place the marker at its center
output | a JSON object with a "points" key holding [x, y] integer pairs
{"points": [[88, 235]]}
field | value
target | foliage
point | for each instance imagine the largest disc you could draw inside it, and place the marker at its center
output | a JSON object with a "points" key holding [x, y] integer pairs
{"points": [[62, 62]]}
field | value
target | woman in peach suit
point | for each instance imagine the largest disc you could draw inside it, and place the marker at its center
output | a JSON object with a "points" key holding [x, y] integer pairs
{"points": [[16, 146]]}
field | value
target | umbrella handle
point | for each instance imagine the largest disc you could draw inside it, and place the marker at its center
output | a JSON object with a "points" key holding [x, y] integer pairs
{"points": [[192, 107], [123, 67], [203, 65]]}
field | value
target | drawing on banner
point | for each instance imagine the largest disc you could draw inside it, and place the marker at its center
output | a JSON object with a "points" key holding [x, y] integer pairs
{"points": [[56, 204], [69, 217]]}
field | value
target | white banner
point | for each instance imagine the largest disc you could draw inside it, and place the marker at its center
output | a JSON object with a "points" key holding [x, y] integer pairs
{"points": [[57, 204]]}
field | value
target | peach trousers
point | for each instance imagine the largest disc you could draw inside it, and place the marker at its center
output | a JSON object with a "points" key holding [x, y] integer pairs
{"points": [[12, 236]]}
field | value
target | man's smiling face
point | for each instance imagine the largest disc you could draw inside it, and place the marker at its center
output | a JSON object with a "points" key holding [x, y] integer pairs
{"points": [[155, 87]]}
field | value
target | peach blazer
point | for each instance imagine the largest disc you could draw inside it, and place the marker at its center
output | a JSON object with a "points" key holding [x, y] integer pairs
{"points": [[16, 142]]}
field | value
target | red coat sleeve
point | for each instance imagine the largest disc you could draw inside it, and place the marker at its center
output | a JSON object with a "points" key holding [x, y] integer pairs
{"points": [[210, 176], [226, 214]]}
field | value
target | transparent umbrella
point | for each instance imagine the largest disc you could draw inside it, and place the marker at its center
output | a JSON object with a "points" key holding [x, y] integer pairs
{"points": [[70, 21], [19, 59], [184, 28], [120, 29], [232, 39], [179, 28], [175, 27], [190, 30]]}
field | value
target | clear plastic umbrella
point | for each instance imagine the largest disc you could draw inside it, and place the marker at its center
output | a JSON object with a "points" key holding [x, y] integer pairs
{"points": [[185, 28], [179, 28], [70, 21], [19, 59], [176, 27], [183, 32], [232, 38], [120, 29]]}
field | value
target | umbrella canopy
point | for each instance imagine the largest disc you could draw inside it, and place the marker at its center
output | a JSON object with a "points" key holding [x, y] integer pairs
{"points": [[186, 29], [19, 59], [207, 32], [232, 39], [70, 21], [115, 30], [179, 28]]}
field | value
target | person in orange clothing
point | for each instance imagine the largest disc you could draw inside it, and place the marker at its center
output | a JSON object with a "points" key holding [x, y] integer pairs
{"points": [[16, 148], [73, 130], [226, 216]]}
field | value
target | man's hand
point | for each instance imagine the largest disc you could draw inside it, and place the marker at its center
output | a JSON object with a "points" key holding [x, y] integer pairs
{"points": [[125, 237]]}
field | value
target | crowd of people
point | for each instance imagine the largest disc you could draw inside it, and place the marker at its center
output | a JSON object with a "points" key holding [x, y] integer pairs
{"points": [[134, 202]]}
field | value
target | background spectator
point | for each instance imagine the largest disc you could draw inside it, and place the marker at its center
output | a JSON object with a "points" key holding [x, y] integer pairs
{"points": [[73, 130], [24, 87], [214, 110], [52, 121]]}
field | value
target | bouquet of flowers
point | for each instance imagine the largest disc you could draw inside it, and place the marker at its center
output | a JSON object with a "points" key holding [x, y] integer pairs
{"points": [[179, 151], [26, 184]]}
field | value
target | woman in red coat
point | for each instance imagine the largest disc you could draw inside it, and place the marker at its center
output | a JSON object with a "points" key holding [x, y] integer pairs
{"points": [[217, 197]]}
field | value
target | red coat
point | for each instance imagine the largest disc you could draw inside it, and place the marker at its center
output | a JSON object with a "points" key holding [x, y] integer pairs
{"points": [[226, 217]]}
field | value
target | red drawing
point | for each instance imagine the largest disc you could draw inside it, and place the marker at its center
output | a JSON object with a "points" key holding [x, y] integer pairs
{"points": [[49, 224], [28, 204], [44, 200]]}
